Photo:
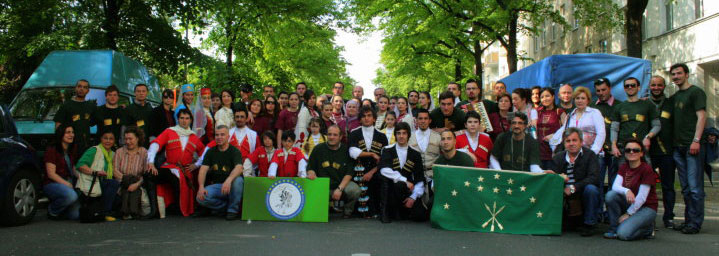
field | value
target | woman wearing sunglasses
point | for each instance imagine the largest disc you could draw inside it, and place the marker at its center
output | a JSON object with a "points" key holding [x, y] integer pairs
{"points": [[632, 203]]}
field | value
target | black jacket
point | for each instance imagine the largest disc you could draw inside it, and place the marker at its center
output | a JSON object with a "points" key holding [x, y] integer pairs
{"points": [[158, 122], [413, 168], [586, 168], [379, 141]]}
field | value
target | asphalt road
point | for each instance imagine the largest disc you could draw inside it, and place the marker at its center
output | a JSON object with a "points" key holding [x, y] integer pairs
{"points": [[214, 236]]}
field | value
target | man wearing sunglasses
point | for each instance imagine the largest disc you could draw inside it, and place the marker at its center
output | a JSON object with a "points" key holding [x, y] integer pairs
{"points": [[633, 118], [514, 150]]}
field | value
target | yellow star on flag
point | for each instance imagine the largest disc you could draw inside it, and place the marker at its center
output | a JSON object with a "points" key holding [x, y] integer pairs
{"points": [[466, 183], [523, 188], [532, 199], [540, 214], [446, 206], [454, 192], [480, 179], [509, 191], [496, 176], [510, 181], [480, 188], [495, 190]]}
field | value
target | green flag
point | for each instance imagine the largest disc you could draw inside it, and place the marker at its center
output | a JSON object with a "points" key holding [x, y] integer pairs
{"points": [[471, 199], [286, 199]]}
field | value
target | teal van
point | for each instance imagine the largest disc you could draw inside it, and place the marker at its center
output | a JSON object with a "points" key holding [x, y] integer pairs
{"points": [[53, 82]]}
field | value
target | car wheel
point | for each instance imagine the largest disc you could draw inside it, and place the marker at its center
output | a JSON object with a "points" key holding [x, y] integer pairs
{"points": [[20, 202]]}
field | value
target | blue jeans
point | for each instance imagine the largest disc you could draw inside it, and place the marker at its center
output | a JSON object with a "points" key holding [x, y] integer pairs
{"points": [[691, 178], [590, 204], [607, 166], [666, 166], [637, 226], [63, 200], [109, 192], [217, 201]]}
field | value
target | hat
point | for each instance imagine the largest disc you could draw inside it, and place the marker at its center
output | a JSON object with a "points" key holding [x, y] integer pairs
{"points": [[186, 88], [246, 88], [205, 91]]}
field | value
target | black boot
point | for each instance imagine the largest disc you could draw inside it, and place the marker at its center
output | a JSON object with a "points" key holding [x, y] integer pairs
{"points": [[383, 202]]}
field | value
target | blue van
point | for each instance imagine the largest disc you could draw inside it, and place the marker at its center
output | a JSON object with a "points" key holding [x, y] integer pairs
{"points": [[53, 82]]}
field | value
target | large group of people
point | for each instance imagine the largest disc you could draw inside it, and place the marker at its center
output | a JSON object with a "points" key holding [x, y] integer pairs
{"points": [[378, 153]]}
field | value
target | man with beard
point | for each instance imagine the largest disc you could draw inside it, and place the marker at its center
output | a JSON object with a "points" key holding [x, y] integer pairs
{"points": [[402, 179], [516, 150], [366, 145], [79, 114], [499, 89], [565, 98], [412, 100], [475, 102], [268, 90], [633, 119], [663, 147], [689, 120]]}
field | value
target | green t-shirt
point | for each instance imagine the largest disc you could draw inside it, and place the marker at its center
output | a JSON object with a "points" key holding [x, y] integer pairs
{"points": [[81, 116], [635, 119], [686, 104], [455, 122], [112, 119], [459, 159], [663, 142], [221, 163], [140, 116], [516, 155], [607, 112], [333, 164]]}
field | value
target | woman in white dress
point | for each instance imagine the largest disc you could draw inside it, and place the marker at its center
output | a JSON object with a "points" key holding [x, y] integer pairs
{"points": [[404, 113], [224, 116], [587, 119]]}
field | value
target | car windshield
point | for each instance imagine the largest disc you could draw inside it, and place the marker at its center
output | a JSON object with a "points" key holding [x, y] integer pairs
{"points": [[42, 104]]}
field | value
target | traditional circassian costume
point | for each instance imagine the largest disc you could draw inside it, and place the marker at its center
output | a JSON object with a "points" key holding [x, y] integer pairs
{"points": [[288, 163], [209, 135], [302, 129], [480, 147], [180, 145], [244, 139], [367, 139], [262, 159], [398, 166]]}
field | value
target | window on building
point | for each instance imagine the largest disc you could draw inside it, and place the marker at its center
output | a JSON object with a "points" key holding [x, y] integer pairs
{"points": [[564, 15], [536, 43], [544, 38], [698, 9], [554, 31], [576, 22], [669, 15], [645, 33], [603, 46]]}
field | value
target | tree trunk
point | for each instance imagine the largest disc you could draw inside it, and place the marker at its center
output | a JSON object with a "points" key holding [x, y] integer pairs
{"points": [[477, 54], [511, 46], [457, 69], [633, 27], [111, 22], [230, 43]]}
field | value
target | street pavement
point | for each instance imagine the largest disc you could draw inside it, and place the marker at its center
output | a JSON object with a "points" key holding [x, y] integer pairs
{"points": [[215, 236]]}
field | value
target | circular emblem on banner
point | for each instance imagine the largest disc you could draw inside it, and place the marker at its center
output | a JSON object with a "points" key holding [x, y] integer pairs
{"points": [[285, 199]]}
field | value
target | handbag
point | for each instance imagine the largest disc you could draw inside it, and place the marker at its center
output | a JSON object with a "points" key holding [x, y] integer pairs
{"points": [[91, 207]]}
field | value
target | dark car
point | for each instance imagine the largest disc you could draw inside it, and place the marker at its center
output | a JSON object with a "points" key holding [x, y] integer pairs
{"points": [[20, 175]]}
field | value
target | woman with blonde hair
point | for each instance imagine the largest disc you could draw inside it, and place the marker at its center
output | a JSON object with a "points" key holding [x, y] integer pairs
{"points": [[587, 119]]}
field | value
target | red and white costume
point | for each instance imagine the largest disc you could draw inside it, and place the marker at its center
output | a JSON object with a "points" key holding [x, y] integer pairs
{"points": [[480, 146], [261, 158], [180, 145], [290, 163], [244, 139]]}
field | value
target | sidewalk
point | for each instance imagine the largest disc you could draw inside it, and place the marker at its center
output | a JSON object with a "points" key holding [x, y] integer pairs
{"points": [[711, 201]]}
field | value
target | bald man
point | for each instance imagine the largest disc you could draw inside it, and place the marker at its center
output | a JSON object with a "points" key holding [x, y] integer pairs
{"points": [[565, 98]]}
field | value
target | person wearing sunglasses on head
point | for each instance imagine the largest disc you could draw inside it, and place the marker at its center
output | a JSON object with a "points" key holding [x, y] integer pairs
{"points": [[162, 116], [632, 203], [633, 118]]}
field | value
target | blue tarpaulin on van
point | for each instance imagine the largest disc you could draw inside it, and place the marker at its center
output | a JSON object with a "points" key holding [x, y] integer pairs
{"points": [[64, 68], [583, 70]]}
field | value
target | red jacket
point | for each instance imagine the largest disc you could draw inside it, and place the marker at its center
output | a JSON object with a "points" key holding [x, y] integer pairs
{"points": [[260, 158], [484, 147], [288, 168], [174, 153], [248, 144]]}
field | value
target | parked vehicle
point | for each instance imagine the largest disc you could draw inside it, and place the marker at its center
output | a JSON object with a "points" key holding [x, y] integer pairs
{"points": [[20, 175], [54, 80]]}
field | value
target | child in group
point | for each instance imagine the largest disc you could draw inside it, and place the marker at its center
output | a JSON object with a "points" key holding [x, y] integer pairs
{"points": [[288, 161], [388, 130], [261, 157], [315, 137]]}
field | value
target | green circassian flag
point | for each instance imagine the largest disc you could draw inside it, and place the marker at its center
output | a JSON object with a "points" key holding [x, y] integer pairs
{"points": [[472, 199], [285, 199]]}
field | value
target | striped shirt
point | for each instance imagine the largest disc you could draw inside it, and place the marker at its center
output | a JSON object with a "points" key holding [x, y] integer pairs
{"points": [[126, 163]]}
